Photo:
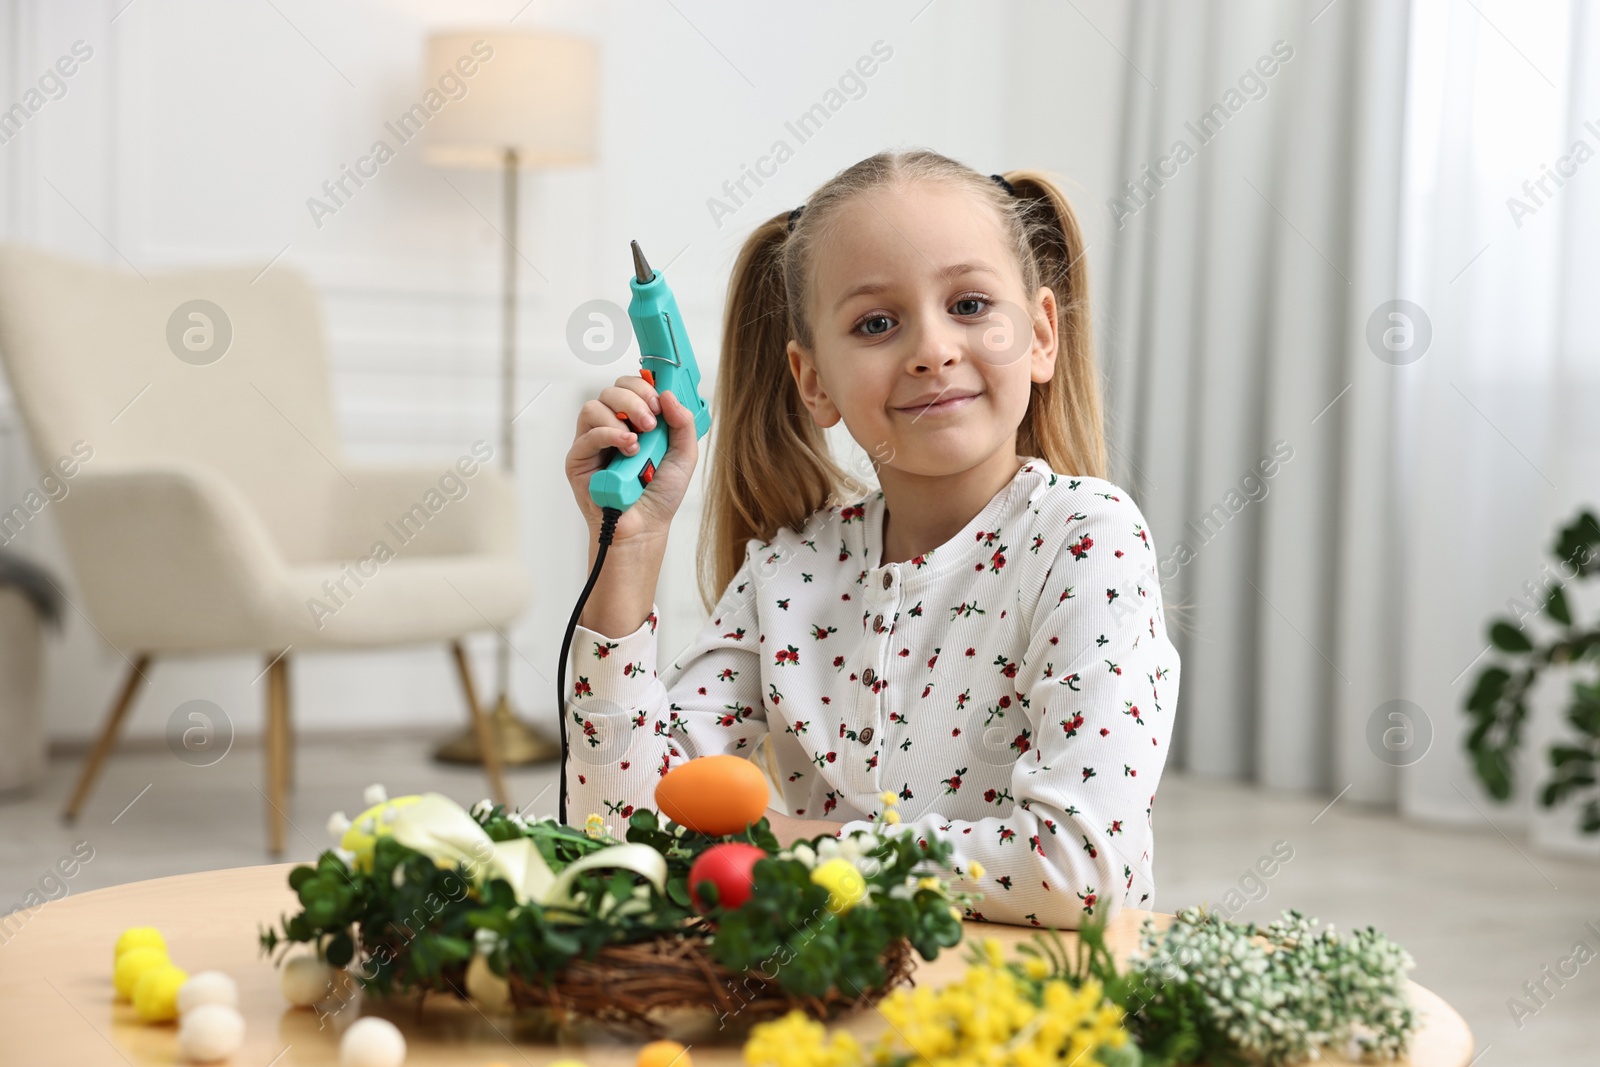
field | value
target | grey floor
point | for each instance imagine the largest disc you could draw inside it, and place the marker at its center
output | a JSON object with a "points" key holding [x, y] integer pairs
{"points": [[1480, 916]]}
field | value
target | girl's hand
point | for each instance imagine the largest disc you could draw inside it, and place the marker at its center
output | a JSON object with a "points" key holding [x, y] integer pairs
{"points": [[601, 432]]}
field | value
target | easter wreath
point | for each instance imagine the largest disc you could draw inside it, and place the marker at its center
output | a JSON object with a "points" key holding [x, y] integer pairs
{"points": [[424, 897]]}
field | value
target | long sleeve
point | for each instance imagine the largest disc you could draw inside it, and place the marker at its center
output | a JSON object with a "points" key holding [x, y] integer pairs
{"points": [[1098, 687], [627, 725]]}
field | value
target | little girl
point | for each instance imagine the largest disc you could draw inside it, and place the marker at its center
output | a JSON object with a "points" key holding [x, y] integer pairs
{"points": [[983, 637]]}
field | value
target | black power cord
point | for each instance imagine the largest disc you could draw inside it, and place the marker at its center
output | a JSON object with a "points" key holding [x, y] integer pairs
{"points": [[608, 527]]}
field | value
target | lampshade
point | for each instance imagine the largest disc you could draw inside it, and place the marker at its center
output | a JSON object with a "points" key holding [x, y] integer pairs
{"points": [[534, 93]]}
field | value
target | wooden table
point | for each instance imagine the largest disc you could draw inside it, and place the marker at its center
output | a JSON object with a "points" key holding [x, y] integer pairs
{"points": [[56, 1001]]}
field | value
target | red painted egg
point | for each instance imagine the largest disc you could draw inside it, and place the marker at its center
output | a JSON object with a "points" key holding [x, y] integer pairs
{"points": [[731, 868]]}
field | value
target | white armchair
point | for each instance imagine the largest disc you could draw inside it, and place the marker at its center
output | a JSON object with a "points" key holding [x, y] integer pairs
{"points": [[210, 506]]}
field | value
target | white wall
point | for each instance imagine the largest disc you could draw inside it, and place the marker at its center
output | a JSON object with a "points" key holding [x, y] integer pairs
{"points": [[198, 130]]}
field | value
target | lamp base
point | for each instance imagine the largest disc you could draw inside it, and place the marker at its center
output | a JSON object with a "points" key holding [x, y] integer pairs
{"points": [[519, 744]]}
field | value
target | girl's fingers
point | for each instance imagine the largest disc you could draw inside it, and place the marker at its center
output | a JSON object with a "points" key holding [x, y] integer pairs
{"points": [[601, 438], [625, 403], [681, 438]]}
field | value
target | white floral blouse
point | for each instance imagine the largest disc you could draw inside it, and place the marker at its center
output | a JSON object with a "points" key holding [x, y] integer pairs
{"points": [[1015, 688]]}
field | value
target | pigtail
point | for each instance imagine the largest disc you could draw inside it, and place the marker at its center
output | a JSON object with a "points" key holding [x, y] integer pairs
{"points": [[769, 462], [1064, 423]]}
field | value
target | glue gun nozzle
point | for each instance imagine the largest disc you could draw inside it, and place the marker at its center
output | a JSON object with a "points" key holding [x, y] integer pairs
{"points": [[641, 269]]}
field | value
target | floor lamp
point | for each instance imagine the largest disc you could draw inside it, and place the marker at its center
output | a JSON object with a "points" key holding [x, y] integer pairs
{"points": [[507, 101]]}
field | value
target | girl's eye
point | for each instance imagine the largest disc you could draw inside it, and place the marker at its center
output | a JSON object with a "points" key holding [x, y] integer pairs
{"points": [[968, 306], [874, 325]]}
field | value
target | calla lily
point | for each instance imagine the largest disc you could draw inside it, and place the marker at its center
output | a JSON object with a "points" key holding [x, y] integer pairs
{"points": [[641, 859], [438, 827], [523, 866]]}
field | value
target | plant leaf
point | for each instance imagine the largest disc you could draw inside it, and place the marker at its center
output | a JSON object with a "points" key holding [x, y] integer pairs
{"points": [[1508, 638]]}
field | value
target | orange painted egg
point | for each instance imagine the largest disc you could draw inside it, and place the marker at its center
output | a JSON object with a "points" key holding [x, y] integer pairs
{"points": [[714, 795]]}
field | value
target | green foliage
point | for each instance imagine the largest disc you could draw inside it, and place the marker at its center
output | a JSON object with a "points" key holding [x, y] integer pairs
{"points": [[406, 923], [1497, 703], [787, 925], [1211, 991]]}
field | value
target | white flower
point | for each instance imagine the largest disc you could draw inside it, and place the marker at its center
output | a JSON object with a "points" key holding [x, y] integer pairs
{"points": [[375, 794], [389, 814], [485, 941], [346, 857], [805, 854], [399, 878], [482, 808], [338, 823]]}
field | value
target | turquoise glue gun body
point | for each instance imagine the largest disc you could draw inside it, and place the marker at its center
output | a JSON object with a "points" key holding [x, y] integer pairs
{"points": [[667, 362]]}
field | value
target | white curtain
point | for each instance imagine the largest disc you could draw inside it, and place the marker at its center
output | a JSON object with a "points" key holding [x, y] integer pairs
{"points": [[1500, 442], [1338, 273], [1249, 416]]}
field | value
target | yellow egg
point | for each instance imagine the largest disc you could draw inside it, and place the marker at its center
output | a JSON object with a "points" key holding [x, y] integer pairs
{"points": [[131, 966], [139, 937], [155, 998], [663, 1054], [714, 795], [846, 888], [366, 828]]}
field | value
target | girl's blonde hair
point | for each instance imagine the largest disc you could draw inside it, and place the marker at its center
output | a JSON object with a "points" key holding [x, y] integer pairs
{"points": [[777, 469]]}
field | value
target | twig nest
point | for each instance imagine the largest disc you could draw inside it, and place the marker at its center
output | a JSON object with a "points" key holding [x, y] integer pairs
{"points": [[155, 998], [372, 1042], [208, 987], [306, 979], [486, 989], [210, 1032]]}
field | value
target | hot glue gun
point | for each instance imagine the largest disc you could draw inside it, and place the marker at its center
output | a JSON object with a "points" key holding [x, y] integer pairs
{"points": [[667, 363]]}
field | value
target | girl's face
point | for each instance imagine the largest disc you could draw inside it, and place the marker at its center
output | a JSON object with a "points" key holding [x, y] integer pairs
{"points": [[916, 295]]}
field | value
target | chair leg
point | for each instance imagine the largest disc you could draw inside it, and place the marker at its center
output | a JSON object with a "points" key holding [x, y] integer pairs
{"points": [[289, 746], [277, 745], [480, 726], [107, 739]]}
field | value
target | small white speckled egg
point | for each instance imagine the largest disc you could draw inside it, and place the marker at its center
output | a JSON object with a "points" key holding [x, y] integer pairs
{"points": [[208, 987], [372, 1042], [210, 1032], [306, 980]]}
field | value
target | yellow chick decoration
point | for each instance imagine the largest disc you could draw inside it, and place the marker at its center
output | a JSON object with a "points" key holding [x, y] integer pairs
{"points": [[155, 998], [132, 965]]}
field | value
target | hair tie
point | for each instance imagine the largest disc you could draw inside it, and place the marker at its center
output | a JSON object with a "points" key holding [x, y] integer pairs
{"points": [[1002, 183], [794, 216]]}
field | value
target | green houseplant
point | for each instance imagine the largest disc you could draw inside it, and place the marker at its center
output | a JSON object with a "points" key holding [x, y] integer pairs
{"points": [[1498, 701]]}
